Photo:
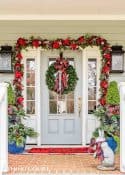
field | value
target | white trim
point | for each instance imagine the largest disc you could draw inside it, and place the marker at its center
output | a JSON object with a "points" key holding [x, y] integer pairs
{"points": [[31, 53], [84, 97], [38, 97], [122, 128], [3, 128], [63, 17], [89, 52]]}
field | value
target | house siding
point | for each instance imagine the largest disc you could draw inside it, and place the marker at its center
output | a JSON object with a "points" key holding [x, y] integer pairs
{"points": [[114, 33]]}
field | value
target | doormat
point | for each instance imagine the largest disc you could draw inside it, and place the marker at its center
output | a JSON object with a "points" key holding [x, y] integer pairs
{"points": [[62, 150]]}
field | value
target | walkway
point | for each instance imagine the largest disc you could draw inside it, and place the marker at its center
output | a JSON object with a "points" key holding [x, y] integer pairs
{"points": [[38, 163]]}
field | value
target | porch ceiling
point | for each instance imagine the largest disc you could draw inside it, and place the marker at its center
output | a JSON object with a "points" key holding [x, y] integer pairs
{"points": [[48, 9]]}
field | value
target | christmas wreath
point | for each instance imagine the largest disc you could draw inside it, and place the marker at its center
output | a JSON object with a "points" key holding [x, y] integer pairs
{"points": [[61, 77]]}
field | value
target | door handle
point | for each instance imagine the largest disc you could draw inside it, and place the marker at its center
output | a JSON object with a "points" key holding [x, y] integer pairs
{"points": [[79, 105]]}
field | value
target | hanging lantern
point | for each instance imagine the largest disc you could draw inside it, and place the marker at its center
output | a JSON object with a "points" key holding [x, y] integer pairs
{"points": [[117, 64], [6, 59]]}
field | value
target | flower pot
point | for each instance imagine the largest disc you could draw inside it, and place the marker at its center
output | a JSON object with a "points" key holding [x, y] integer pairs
{"points": [[14, 149]]}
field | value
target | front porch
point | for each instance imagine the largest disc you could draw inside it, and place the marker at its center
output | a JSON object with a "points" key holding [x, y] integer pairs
{"points": [[57, 164]]}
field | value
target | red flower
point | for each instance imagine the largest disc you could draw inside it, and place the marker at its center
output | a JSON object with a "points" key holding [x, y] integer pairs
{"points": [[21, 42], [105, 69], [107, 56], [18, 74], [104, 84], [73, 46], [102, 101], [20, 100], [66, 42], [19, 56], [56, 45], [36, 43]]}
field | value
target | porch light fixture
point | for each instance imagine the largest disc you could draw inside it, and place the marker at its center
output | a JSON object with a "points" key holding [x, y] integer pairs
{"points": [[117, 63], [6, 59]]}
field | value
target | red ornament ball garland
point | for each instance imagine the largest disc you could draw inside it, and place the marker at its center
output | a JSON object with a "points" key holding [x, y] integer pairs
{"points": [[73, 44]]}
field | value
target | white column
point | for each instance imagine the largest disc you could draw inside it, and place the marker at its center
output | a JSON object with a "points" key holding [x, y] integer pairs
{"points": [[122, 126], [3, 128]]}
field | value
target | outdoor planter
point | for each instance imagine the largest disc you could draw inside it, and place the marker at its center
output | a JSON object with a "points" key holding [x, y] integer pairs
{"points": [[14, 149]]}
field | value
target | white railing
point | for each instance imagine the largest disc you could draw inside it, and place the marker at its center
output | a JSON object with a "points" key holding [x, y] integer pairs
{"points": [[3, 128], [122, 126]]}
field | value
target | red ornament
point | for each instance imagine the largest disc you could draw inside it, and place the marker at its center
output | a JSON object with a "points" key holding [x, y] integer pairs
{"points": [[21, 42], [20, 100], [36, 43], [104, 84], [19, 56]]}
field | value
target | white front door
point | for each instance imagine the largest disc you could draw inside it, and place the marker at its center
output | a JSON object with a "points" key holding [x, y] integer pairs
{"points": [[61, 115]]}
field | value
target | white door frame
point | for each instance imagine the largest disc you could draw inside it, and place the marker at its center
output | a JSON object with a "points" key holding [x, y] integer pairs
{"points": [[84, 110], [88, 52]]}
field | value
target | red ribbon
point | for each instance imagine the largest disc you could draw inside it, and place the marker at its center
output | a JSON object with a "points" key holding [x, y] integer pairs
{"points": [[61, 66]]}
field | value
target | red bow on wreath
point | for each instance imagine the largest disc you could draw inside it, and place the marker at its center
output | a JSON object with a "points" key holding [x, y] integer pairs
{"points": [[61, 81]]}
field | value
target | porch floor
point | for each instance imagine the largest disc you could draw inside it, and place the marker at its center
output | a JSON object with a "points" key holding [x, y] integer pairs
{"points": [[56, 164]]}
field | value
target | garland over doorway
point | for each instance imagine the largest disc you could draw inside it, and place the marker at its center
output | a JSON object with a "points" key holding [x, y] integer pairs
{"points": [[72, 44]]}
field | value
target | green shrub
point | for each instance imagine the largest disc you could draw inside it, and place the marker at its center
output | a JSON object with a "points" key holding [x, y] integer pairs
{"points": [[113, 97], [11, 95]]}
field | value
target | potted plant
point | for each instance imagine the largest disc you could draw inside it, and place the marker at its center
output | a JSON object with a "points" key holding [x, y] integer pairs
{"points": [[109, 115], [17, 131], [17, 134]]}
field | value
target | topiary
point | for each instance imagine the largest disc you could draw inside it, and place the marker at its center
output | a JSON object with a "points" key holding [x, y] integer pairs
{"points": [[113, 97], [11, 95]]}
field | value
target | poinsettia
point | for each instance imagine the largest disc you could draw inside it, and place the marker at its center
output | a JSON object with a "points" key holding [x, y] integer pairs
{"points": [[104, 84], [102, 101], [73, 46], [21, 42], [36, 43], [106, 69], [56, 45], [81, 40], [107, 56], [20, 100], [17, 66], [19, 56], [66, 42], [18, 74]]}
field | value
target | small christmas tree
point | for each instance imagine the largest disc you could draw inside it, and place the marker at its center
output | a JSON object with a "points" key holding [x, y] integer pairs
{"points": [[112, 97]]}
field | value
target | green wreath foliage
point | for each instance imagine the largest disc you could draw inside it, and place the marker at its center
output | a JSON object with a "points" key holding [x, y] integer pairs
{"points": [[72, 78]]}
